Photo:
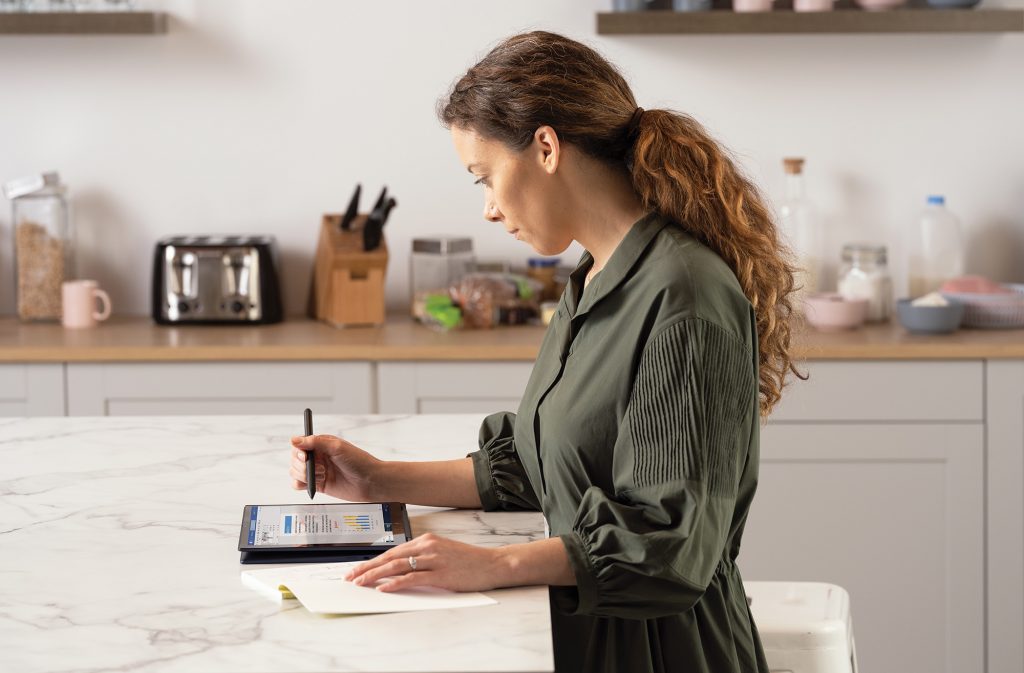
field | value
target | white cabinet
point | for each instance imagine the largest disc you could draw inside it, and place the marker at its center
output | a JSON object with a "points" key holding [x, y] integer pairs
{"points": [[893, 513], [450, 387], [159, 388], [1005, 423], [32, 389], [872, 477]]}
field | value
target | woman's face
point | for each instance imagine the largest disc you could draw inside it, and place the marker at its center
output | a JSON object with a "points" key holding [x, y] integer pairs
{"points": [[521, 189]]}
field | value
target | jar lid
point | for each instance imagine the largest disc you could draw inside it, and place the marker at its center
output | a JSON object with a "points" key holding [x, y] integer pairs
{"points": [[542, 262], [443, 245], [865, 252], [48, 183]]}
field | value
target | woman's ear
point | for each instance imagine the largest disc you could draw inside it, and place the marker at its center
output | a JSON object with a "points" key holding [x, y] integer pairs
{"points": [[548, 148]]}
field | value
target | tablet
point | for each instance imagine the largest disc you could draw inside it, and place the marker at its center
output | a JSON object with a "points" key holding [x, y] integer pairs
{"points": [[325, 532]]}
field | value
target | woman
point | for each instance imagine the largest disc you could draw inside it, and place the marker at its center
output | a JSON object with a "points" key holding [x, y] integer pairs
{"points": [[637, 436]]}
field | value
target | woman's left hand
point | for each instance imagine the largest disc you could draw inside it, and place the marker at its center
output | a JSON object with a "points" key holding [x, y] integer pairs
{"points": [[440, 562]]}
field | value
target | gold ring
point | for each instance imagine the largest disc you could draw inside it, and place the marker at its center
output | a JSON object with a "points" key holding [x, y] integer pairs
{"points": [[412, 563]]}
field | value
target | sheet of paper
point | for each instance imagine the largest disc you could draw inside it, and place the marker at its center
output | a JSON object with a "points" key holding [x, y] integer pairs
{"points": [[321, 589]]}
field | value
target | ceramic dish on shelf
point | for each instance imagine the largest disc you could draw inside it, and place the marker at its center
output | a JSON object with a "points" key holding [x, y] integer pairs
{"points": [[880, 5], [629, 5], [691, 5], [752, 5], [812, 5], [953, 4], [1002, 310], [830, 311], [930, 319]]}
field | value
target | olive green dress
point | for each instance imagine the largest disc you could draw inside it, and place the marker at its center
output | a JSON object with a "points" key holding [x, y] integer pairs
{"points": [[637, 437]]}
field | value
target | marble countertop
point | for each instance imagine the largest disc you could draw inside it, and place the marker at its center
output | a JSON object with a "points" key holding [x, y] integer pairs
{"points": [[133, 339], [118, 552]]}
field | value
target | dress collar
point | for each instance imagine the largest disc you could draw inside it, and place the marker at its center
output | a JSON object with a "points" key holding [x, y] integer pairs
{"points": [[619, 265]]}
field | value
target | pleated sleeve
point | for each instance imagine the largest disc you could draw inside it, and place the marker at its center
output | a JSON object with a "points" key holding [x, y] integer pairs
{"points": [[650, 548], [500, 477]]}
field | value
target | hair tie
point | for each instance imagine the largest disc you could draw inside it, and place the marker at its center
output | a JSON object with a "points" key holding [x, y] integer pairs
{"points": [[633, 126]]}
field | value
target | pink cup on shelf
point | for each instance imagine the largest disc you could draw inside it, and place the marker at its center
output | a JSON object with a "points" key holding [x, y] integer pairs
{"points": [[78, 299], [752, 5], [812, 5]]}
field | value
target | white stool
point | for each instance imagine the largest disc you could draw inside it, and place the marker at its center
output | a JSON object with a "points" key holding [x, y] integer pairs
{"points": [[805, 627]]}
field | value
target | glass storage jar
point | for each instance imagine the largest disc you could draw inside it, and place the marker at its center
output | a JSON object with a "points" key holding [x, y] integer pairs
{"points": [[42, 244], [864, 274], [543, 269], [435, 265]]}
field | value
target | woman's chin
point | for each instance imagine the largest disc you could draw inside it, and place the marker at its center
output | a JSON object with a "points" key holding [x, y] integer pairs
{"points": [[548, 249]]}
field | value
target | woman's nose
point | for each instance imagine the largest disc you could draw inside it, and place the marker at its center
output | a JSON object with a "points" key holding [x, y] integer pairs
{"points": [[491, 213]]}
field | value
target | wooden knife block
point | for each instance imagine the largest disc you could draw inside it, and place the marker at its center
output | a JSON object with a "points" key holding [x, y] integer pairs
{"points": [[348, 282]]}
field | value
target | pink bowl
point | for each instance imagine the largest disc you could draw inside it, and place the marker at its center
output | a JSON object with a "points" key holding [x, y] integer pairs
{"points": [[752, 5], [812, 5], [880, 5], [830, 311]]}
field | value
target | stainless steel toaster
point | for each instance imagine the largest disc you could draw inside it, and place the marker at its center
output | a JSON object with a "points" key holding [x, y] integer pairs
{"points": [[216, 280]]}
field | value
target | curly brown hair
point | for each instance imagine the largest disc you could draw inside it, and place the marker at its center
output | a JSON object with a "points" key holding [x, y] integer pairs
{"points": [[677, 168]]}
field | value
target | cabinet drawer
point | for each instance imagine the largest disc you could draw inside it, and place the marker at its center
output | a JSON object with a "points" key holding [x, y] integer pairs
{"points": [[874, 390], [450, 387], [35, 389], [126, 389]]}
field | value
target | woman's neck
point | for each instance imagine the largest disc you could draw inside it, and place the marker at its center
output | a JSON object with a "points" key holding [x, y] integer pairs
{"points": [[605, 208]]}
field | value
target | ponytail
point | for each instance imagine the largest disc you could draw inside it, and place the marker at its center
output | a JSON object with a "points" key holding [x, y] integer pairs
{"points": [[682, 173]]}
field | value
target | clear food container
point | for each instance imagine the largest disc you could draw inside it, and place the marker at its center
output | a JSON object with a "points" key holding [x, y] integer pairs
{"points": [[434, 266], [42, 244], [864, 274]]}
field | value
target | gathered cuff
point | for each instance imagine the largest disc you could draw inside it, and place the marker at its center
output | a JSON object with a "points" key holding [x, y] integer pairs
{"points": [[582, 598], [485, 481]]}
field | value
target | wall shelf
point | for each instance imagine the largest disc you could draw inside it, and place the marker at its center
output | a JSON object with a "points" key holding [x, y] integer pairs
{"points": [[665, 22], [83, 23]]}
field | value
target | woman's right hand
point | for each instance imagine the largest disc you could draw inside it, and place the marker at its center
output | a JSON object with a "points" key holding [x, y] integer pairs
{"points": [[343, 470]]}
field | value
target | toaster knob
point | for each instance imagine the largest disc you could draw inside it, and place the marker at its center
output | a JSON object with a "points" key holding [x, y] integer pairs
{"points": [[237, 306], [182, 307]]}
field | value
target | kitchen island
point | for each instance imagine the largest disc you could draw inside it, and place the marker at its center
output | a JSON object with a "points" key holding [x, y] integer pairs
{"points": [[896, 471], [118, 552]]}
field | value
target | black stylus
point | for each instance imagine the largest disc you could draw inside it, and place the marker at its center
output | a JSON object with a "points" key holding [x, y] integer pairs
{"points": [[307, 417]]}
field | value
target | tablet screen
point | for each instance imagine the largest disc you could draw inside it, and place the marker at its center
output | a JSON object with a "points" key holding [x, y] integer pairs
{"points": [[274, 526]]}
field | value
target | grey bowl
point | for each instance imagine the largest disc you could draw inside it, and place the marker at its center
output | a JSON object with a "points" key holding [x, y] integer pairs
{"points": [[691, 5], [953, 4], [930, 319]]}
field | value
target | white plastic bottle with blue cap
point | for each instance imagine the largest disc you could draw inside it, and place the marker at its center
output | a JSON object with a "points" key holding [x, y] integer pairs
{"points": [[936, 249]]}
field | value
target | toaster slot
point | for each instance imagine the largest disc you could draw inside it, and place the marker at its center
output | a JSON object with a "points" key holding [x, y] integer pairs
{"points": [[184, 274]]}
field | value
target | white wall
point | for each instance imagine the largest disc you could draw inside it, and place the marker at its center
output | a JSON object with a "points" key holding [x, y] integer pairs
{"points": [[252, 116]]}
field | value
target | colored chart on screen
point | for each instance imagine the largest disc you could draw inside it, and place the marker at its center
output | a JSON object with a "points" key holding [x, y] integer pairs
{"points": [[314, 524]]}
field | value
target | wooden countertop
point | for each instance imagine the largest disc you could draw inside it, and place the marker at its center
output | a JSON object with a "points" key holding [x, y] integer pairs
{"points": [[127, 339]]}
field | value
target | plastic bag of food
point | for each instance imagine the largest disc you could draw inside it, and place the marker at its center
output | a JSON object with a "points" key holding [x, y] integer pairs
{"points": [[490, 299]]}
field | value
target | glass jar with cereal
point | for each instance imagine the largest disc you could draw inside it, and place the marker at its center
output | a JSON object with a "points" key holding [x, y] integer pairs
{"points": [[42, 244]]}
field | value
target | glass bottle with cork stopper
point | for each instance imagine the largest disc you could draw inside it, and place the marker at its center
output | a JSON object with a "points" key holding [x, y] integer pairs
{"points": [[801, 229]]}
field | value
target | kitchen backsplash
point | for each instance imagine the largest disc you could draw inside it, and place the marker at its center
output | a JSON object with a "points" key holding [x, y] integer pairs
{"points": [[257, 118]]}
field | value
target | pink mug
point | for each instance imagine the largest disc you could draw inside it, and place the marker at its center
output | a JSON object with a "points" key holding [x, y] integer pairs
{"points": [[79, 303]]}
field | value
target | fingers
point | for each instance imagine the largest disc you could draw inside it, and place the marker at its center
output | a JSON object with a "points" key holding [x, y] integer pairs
{"points": [[315, 442], [407, 581], [398, 566], [297, 471], [396, 561], [403, 550]]}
